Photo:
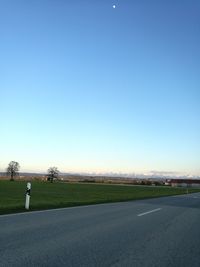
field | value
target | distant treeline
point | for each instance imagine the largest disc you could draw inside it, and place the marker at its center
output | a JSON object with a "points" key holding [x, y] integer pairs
{"points": [[86, 179]]}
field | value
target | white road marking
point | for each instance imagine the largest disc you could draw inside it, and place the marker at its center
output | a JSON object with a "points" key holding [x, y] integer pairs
{"points": [[150, 211], [57, 209], [186, 196]]}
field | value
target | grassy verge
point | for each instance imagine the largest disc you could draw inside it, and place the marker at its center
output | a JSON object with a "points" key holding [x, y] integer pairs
{"points": [[46, 195]]}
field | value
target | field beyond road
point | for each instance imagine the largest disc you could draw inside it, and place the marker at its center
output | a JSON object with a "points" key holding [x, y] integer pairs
{"points": [[46, 195]]}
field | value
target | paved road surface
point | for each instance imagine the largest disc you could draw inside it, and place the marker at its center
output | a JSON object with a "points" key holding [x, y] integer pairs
{"points": [[163, 232]]}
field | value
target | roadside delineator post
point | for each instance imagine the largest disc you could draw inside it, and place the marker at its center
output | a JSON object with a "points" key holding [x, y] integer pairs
{"points": [[28, 195]]}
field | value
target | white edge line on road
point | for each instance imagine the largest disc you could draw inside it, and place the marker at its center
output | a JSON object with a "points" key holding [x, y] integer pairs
{"points": [[57, 209], [150, 211]]}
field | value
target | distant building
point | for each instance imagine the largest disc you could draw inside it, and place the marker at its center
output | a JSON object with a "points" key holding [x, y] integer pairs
{"points": [[183, 182]]}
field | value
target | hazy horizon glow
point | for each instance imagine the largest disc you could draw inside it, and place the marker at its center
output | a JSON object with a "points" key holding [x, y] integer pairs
{"points": [[91, 88]]}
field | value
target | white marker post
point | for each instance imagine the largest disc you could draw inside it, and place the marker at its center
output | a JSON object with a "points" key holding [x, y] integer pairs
{"points": [[28, 195]]}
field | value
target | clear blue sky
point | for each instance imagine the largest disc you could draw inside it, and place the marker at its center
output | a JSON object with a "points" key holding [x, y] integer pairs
{"points": [[86, 87]]}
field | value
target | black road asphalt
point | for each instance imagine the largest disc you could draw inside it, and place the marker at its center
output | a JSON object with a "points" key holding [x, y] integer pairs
{"points": [[161, 232]]}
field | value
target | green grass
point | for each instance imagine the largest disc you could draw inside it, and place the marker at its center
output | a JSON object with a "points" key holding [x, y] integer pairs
{"points": [[45, 195]]}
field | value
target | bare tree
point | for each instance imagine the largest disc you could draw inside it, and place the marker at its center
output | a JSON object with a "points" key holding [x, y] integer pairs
{"points": [[13, 169], [53, 173]]}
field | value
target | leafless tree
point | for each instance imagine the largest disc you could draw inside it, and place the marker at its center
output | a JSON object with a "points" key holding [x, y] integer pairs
{"points": [[13, 169], [53, 173]]}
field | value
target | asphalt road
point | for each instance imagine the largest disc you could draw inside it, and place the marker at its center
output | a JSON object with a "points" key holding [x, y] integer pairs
{"points": [[155, 232]]}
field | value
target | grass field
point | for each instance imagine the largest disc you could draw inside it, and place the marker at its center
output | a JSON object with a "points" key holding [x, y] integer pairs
{"points": [[45, 195]]}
